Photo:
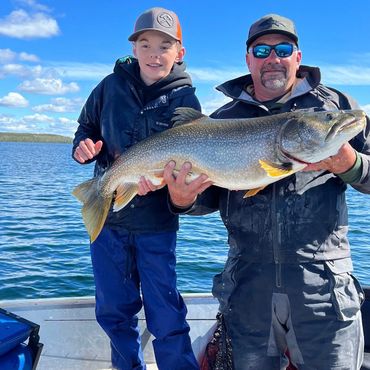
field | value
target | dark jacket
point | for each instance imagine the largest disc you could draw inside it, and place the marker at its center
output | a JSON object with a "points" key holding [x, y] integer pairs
{"points": [[121, 111], [300, 218]]}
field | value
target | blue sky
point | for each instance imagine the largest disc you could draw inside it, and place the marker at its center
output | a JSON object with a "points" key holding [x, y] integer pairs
{"points": [[53, 52]]}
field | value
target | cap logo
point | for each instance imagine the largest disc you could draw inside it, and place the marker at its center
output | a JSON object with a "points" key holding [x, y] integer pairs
{"points": [[272, 22], [165, 20]]}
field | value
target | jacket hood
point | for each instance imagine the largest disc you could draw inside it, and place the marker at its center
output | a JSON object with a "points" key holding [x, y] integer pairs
{"points": [[128, 68], [236, 87]]}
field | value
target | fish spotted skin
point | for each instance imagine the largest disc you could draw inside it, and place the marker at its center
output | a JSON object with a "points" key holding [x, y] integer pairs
{"points": [[237, 154]]}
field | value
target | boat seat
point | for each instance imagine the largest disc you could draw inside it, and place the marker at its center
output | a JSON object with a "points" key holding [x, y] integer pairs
{"points": [[365, 310]]}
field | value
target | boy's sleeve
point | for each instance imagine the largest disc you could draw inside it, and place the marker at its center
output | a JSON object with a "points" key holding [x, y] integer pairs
{"points": [[89, 121], [191, 101]]}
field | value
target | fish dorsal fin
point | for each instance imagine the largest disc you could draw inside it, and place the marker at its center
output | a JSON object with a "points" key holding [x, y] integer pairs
{"points": [[276, 170], [185, 115]]}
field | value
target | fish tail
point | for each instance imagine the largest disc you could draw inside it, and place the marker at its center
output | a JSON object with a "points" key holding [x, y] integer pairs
{"points": [[95, 207]]}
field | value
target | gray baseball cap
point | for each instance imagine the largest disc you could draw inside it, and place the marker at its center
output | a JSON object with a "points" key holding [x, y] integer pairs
{"points": [[272, 23], [158, 19]]}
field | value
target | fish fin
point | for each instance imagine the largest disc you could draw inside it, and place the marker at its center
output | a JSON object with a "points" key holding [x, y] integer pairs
{"points": [[160, 180], [252, 192], [95, 207], [124, 194], [158, 174], [156, 177], [276, 170], [185, 115]]}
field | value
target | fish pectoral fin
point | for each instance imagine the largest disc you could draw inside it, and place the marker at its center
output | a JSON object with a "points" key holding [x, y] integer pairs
{"points": [[156, 178], [124, 194], [158, 174], [252, 192], [276, 169]]}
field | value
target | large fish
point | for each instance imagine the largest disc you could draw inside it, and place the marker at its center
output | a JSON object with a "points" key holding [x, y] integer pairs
{"points": [[237, 154]]}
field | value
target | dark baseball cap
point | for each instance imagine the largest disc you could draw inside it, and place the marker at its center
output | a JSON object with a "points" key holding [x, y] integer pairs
{"points": [[272, 23], [158, 19]]}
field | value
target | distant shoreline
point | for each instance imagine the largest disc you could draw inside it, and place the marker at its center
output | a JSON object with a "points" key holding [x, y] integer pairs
{"points": [[33, 138]]}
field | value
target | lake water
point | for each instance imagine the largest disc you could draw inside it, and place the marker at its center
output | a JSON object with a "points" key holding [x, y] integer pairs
{"points": [[44, 249]]}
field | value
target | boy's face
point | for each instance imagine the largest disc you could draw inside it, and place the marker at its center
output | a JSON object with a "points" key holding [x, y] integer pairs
{"points": [[156, 53]]}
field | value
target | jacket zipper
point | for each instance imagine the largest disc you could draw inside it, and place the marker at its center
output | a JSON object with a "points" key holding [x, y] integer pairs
{"points": [[276, 237]]}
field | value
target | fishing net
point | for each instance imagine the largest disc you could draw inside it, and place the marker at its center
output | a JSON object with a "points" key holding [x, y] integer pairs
{"points": [[218, 353]]}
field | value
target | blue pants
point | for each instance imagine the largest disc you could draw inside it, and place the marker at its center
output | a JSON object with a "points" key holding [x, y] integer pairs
{"points": [[122, 263]]}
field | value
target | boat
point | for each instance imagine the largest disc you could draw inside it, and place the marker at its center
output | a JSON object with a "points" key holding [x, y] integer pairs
{"points": [[72, 340]]}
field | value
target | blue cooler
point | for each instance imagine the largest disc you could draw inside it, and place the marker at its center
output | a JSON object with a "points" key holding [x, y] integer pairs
{"points": [[19, 342]]}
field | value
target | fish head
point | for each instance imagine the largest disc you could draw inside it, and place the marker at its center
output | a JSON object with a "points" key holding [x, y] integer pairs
{"points": [[310, 137]]}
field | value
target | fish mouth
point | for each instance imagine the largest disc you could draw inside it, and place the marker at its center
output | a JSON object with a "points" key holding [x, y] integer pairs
{"points": [[292, 158], [351, 121]]}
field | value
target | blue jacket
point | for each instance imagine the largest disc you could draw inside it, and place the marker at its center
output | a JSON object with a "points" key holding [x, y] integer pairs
{"points": [[121, 111]]}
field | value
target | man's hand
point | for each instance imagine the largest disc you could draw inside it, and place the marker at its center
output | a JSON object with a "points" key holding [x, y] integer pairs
{"points": [[182, 194], [86, 150], [339, 163]]}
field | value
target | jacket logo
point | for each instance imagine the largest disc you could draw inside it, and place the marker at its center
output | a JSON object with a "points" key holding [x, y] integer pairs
{"points": [[163, 124]]}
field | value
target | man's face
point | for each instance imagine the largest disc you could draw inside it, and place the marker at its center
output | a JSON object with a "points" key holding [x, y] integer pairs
{"points": [[273, 76]]}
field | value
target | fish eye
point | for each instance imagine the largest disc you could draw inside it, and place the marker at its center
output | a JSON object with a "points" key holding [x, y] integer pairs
{"points": [[330, 116]]}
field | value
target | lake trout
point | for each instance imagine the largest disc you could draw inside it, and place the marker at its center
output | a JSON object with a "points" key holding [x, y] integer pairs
{"points": [[237, 154]]}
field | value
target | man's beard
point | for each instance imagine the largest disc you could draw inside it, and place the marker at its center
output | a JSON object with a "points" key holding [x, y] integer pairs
{"points": [[275, 83]]}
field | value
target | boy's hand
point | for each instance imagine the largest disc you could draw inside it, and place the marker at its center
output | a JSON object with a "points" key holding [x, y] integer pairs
{"points": [[86, 150], [146, 186], [182, 194]]}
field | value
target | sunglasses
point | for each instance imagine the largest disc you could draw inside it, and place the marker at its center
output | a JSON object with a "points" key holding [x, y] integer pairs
{"points": [[283, 50]]}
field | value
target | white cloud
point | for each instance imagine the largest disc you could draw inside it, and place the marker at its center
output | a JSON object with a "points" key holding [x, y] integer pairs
{"points": [[366, 109], [345, 75], [15, 100], [28, 57], [33, 5], [38, 118], [60, 105], [8, 123], [82, 71], [209, 106], [38, 123], [14, 69], [21, 25], [24, 71], [46, 86], [7, 55], [4, 118], [351, 74], [67, 121], [214, 75]]}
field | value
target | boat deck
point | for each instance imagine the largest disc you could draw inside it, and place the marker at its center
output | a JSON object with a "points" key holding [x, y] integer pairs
{"points": [[74, 341]]}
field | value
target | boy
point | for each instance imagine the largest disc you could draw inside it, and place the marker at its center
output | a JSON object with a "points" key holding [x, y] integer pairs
{"points": [[136, 247]]}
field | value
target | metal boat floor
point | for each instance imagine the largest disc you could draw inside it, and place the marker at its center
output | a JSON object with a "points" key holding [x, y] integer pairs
{"points": [[74, 341]]}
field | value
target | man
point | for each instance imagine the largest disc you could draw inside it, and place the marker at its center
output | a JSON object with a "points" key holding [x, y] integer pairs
{"points": [[287, 285]]}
